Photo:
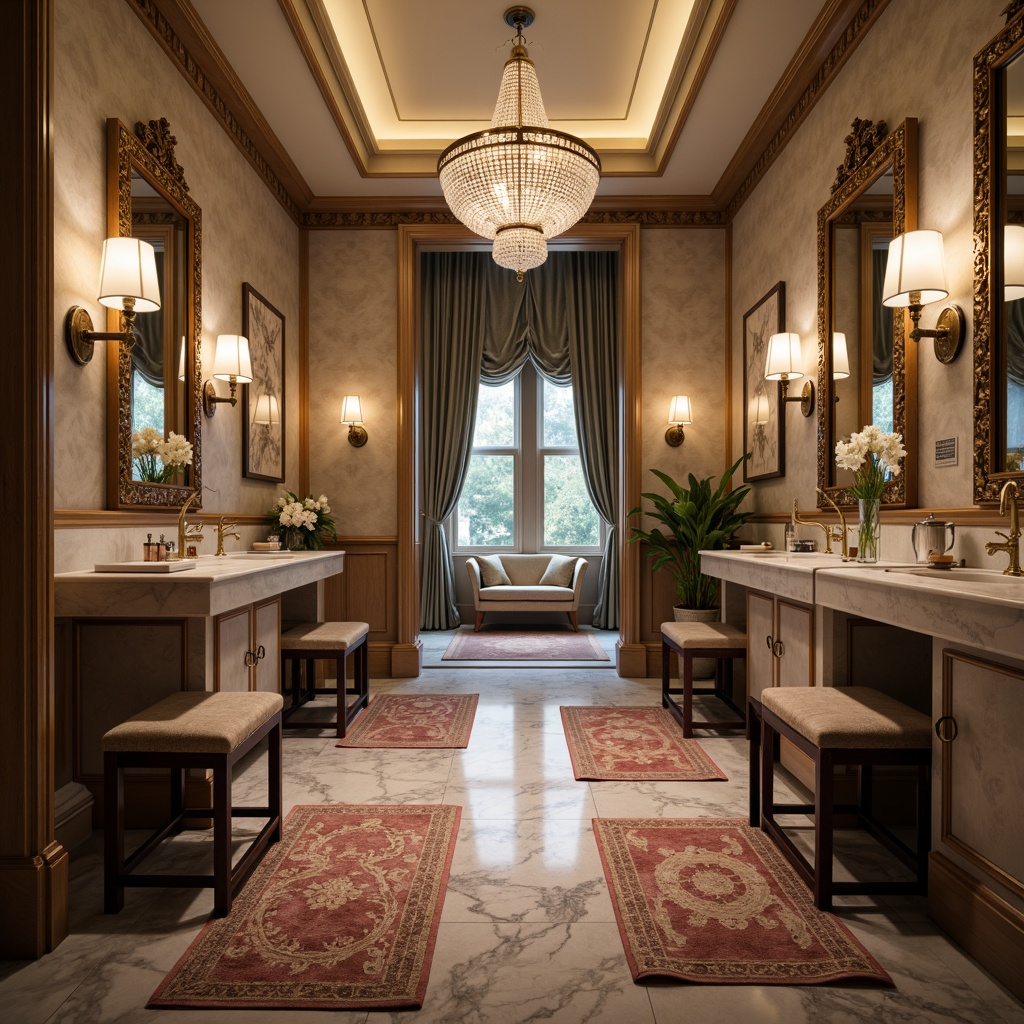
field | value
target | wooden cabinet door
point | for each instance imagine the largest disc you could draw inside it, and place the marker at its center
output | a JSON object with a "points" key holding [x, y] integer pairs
{"points": [[231, 642], [795, 628], [266, 634], [760, 627]]}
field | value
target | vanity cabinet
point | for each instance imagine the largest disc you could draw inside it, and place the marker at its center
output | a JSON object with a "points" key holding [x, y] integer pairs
{"points": [[247, 648], [780, 642]]}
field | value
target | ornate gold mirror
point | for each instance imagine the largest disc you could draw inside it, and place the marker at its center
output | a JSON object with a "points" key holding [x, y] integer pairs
{"points": [[866, 371], [157, 383], [999, 260]]}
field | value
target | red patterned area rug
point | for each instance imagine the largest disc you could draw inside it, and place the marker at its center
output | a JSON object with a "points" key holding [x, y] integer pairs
{"points": [[633, 744], [713, 900], [524, 645], [341, 914], [414, 720]]}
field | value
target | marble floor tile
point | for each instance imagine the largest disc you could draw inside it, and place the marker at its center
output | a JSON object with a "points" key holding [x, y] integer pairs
{"points": [[527, 932]]}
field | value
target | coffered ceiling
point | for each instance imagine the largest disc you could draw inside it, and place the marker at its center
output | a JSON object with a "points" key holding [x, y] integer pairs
{"points": [[358, 97]]}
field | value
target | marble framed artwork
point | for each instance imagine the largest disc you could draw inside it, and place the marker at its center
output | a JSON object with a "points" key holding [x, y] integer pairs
{"points": [[263, 403], [763, 423]]}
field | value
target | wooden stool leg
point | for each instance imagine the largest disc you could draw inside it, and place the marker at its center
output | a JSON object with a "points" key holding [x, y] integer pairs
{"points": [[113, 834], [275, 780], [342, 686], [687, 673], [221, 838], [924, 823], [754, 794], [767, 772], [666, 656], [824, 785], [363, 673]]}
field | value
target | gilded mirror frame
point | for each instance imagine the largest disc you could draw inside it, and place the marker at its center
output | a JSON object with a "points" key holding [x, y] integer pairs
{"points": [[989, 316], [867, 158], [149, 153]]}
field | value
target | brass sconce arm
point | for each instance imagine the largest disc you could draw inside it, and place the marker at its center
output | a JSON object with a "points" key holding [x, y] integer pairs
{"points": [[80, 337], [805, 398], [948, 333]]}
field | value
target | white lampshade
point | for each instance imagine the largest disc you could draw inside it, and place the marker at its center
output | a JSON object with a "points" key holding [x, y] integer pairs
{"points": [[1013, 262], [231, 360], [916, 264], [128, 271], [267, 410], [679, 411], [840, 357], [181, 360], [758, 411], [784, 357], [351, 410]]}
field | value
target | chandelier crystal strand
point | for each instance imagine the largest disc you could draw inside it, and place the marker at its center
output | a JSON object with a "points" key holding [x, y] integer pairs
{"points": [[521, 182]]}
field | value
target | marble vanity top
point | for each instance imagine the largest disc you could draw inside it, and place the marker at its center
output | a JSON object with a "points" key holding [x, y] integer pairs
{"points": [[979, 607], [216, 585]]}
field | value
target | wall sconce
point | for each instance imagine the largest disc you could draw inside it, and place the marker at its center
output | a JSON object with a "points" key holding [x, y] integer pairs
{"points": [[679, 414], [915, 274], [128, 282], [759, 412], [1013, 262], [352, 414], [231, 363], [268, 412], [840, 357], [783, 364]]}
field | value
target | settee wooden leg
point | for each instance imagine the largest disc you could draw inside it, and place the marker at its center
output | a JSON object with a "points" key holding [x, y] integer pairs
{"points": [[479, 621], [572, 621]]}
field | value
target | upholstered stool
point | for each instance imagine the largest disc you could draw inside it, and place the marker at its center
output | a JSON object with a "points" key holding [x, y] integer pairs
{"points": [[847, 725], [313, 641], [191, 730], [716, 640]]}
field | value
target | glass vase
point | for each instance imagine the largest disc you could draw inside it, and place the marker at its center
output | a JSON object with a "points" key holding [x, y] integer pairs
{"points": [[869, 529]]}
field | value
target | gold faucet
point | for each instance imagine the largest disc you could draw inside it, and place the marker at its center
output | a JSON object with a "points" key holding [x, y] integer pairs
{"points": [[187, 531], [1008, 506], [812, 522], [842, 527], [221, 527]]}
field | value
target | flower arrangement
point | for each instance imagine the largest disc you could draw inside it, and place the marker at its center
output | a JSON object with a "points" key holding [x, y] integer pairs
{"points": [[157, 458], [303, 523], [874, 457]]}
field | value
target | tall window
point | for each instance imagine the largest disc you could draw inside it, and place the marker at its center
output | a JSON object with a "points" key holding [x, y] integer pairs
{"points": [[525, 489]]}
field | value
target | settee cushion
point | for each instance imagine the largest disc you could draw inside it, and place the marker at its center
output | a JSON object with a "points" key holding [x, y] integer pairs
{"points": [[492, 572], [528, 594], [559, 571]]}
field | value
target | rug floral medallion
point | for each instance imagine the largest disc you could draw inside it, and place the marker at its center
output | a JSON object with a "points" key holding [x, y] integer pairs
{"points": [[414, 720], [341, 914], [524, 645], [713, 900], [638, 744]]}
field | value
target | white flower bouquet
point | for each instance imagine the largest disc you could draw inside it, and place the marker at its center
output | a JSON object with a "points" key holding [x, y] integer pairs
{"points": [[157, 458], [874, 457], [303, 523]]}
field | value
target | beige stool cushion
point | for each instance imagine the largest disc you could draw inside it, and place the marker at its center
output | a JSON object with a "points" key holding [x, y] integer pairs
{"points": [[195, 722], [323, 636], [703, 634], [848, 716]]}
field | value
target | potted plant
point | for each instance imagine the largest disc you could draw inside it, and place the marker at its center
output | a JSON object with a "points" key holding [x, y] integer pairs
{"points": [[696, 518]]}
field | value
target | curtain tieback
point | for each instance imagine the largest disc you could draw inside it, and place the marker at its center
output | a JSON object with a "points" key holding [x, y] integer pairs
{"points": [[432, 521]]}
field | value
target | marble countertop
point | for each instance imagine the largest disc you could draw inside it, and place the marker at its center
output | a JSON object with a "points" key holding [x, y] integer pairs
{"points": [[978, 607], [216, 585]]}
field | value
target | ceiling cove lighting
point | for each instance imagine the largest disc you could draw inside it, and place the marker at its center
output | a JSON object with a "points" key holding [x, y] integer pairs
{"points": [[520, 182]]}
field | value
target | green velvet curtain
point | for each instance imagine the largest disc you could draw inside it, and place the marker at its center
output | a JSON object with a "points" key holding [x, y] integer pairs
{"points": [[480, 324]]}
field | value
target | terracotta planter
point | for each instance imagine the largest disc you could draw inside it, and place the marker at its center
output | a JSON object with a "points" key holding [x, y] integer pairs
{"points": [[703, 668]]}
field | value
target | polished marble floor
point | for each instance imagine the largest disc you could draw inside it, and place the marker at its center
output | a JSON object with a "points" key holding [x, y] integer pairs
{"points": [[527, 932]]}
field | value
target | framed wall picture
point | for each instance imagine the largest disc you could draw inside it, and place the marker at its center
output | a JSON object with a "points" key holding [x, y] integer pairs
{"points": [[263, 401], [764, 426]]}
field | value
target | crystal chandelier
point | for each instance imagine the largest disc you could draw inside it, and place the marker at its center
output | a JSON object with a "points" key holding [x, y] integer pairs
{"points": [[520, 182]]}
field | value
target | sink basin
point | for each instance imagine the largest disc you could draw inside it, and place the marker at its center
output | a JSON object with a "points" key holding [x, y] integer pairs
{"points": [[958, 575]]}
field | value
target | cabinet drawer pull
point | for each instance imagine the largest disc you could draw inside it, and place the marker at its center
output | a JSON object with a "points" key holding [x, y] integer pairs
{"points": [[768, 640], [249, 659], [261, 652], [778, 649], [946, 729]]}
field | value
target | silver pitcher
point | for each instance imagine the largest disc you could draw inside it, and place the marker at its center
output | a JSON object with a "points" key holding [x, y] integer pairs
{"points": [[929, 538]]}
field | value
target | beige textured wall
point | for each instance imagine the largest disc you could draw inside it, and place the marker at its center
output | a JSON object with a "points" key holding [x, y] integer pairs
{"points": [[353, 350], [683, 303], [247, 236], [917, 61]]}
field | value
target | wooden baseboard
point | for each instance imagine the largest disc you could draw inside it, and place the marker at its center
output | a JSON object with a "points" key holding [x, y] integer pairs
{"points": [[406, 660], [631, 661], [988, 927]]}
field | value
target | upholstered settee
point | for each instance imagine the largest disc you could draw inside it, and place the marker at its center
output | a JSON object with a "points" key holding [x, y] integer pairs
{"points": [[526, 583]]}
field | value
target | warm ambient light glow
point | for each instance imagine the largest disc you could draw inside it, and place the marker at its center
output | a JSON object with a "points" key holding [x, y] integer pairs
{"points": [[268, 412], [784, 357], [128, 271], [840, 357], [521, 182], [231, 360], [679, 411], [351, 410]]}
